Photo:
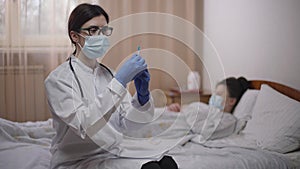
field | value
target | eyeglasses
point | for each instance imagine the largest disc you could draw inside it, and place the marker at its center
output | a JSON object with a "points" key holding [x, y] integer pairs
{"points": [[95, 30]]}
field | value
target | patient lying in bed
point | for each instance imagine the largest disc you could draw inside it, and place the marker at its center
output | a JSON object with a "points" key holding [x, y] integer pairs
{"points": [[193, 117], [170, 125]]}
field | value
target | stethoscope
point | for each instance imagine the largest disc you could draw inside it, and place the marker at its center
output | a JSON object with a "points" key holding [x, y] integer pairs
{"points": [[77, 80]]}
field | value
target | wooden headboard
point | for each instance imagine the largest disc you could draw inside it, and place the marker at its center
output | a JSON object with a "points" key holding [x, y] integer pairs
{"points": [[288, 91]]}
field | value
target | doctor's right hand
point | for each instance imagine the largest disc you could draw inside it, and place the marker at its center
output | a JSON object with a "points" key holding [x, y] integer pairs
{"points": [[130, 69]]}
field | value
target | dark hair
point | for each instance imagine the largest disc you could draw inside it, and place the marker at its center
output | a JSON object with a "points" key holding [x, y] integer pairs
{"points": [[81, 14], [235, 87]]}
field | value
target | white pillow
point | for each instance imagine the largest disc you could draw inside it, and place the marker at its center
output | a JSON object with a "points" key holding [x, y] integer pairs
{"points": [[243, 110], [275, 123]]}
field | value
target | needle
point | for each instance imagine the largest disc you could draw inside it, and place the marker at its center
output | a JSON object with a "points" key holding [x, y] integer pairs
{"points": [[138, 50]]}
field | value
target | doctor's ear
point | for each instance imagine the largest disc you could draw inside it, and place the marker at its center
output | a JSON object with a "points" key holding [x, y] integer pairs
{"points": [[74, 36]]}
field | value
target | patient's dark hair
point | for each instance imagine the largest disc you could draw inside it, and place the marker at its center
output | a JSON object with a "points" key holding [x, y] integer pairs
{"points": [[81, 14], [236, 87]]}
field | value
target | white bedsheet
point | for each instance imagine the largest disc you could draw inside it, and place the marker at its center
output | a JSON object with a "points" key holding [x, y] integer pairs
{"points": [[25, 145], [295, 157], [200, 157]]}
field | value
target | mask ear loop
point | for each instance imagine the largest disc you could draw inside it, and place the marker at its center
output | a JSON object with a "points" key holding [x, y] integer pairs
{"points": [[79, 45], [81, 36], [78, 42]]}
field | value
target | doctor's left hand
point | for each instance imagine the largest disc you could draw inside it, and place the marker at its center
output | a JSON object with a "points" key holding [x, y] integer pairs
{"points": [[141, 82]]}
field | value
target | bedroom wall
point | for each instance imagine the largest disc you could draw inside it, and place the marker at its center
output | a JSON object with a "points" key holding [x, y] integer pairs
{"points": [[256, 39]]}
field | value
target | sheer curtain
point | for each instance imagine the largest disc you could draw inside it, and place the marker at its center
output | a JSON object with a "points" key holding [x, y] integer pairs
{"points": [[34, 41]]}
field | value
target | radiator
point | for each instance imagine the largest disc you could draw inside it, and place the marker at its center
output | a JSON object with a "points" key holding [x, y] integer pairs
{"points": [[22, 93]]}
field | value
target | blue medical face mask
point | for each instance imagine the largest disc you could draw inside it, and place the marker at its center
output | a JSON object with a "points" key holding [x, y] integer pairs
{"points": [[216, 101], [95, 46]]}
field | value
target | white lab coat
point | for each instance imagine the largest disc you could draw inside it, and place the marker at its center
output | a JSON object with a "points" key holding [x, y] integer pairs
{"points": [[83, 135]]}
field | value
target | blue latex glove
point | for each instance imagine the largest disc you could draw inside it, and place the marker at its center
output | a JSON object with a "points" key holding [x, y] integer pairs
{"points": [[130, 69], [141, 83]]}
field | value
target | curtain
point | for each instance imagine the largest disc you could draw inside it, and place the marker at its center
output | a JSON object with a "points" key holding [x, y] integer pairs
{"points": [[33, 42]]}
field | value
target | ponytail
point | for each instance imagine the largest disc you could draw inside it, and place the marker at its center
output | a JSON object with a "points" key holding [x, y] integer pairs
{"points": [[244, 84]]}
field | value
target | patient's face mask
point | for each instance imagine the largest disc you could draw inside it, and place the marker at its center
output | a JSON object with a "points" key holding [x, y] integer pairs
{"points": [[95, 46], [216, 101]]}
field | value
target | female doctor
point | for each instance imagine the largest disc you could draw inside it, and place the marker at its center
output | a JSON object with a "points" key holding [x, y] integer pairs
{"points": [[90, 106]]}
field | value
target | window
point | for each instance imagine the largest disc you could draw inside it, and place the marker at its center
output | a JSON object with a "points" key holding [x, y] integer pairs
{"points": [[34, 23], [44, 17]]}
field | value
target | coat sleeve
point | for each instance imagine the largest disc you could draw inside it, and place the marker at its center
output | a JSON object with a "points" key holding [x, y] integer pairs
{"points": [[131, 115], [84, 118]]}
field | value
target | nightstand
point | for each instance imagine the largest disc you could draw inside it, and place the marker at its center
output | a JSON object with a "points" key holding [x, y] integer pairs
{"points": [[175, 95]]}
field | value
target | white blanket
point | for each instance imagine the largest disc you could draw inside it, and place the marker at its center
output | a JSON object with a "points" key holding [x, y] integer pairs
{"points": [[234, 151], [217, 154], [171, 125], [26, 146]]}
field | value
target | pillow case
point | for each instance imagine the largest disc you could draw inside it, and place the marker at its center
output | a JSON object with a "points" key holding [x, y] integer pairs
{"points": [[243, 110], [275, 123]]}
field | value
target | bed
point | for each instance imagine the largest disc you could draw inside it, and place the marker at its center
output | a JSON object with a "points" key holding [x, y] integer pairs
{"points": [[266, 135]]}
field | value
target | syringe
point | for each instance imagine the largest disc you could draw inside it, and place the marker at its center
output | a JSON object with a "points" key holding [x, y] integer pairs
{"points": [[138, 50]]}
